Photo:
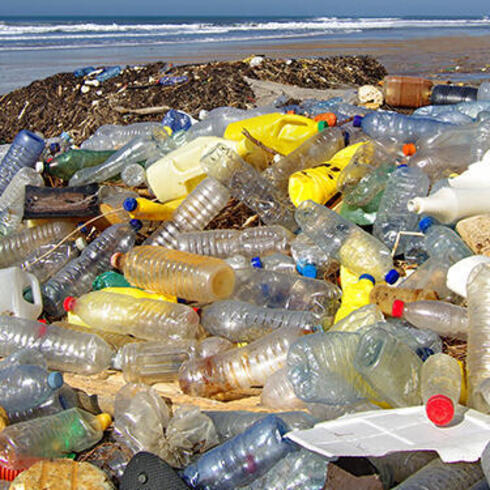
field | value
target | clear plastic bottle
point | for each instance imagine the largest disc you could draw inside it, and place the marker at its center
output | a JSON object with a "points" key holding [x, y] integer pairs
{"points": [[240, 321], [153, 362], [137, 150], [277, 262], [383, 296], [194, 213], [47, 266], [133, 175], [483, 91], [278, 392], [321, 369], [26, 386], [396, 467], [15, 248], [250, 242], [392, 217], [390, 367], [23, 152], [316, 150], [230, 423], [143, 318], [189, 276], [444, 318], [485, 461], [65, 350], [478, 357], [277, 290], [400, 127], [299, 470], [248, 186], [441, 240], [12, 199], [443, 476], [65, 165], [350, 245], [440, 386], [140, 418], [54, 436], [364, 316], [77, 276], [238, 368], [311, 260], [242, 459], [111, 136], [213, 345]]}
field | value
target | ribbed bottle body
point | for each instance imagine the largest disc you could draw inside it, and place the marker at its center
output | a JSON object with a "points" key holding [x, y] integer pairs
{"points": [[321, 369], [478, 357], [240, 321], [154, 362], [248, 186], [364, 316], [15, 248], [238, 368], [23, 152], [440, 375], [390, 367], [441, 240], [77, 276], [242, 459], [193, 214], [188, 276], [316, 150]]}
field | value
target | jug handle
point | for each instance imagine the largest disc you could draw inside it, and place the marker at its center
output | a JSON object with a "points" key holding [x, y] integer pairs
{"points": [[35, 288]]}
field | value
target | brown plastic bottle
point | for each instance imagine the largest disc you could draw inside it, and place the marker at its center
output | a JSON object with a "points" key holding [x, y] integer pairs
{"points": [[384, 296], [407, 91]]}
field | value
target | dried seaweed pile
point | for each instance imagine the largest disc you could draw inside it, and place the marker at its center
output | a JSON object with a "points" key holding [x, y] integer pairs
{"points": [[57, 103]]}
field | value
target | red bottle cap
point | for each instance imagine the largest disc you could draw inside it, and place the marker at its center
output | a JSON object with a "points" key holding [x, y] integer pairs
{"points": [[8, 474], [409, 149], [397, 308], [439, 409], [42, 320], [69, 303]]}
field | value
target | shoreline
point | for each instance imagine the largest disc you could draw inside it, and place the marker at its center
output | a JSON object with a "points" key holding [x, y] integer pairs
{"points": [[455, 58]]}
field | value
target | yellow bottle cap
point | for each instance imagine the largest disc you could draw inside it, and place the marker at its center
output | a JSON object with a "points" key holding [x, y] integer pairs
{"points": [[104, 419]]}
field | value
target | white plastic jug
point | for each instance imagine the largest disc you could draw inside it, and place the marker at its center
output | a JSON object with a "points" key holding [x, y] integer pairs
{"points": [[177, 173], [13, 282]]}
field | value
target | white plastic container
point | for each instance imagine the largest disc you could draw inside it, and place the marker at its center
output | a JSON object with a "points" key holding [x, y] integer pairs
{"points": [[13, 281], [177, 173], [477, 175], [457, 275], [449, 204]]}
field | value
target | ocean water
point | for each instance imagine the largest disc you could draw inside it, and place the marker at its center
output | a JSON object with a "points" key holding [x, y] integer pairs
{"points": [[35, 47]]}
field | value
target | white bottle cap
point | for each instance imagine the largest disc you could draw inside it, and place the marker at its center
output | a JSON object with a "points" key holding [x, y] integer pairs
{"points": [[80, 243], [39, 167]]}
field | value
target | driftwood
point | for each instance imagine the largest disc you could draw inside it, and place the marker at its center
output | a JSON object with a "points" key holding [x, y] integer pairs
{"points": [[144, 111], [266, 92]]}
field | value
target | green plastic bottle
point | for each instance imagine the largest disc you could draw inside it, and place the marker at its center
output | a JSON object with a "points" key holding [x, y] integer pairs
{"points": [[110, 279], [66, 164]]}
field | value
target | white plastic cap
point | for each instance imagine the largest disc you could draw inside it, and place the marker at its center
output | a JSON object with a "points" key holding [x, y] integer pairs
{"points": [[39, 167], [80, 243]]}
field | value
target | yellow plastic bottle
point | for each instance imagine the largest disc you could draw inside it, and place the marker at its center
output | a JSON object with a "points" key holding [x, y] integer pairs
{"points": [[133, 292], [141, 208], [355, 292], [280, 132], [320, 183]]}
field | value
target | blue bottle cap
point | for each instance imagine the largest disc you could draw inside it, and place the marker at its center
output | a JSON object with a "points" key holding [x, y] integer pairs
{"points": [[256, 262], [424, 353], [84, 229], [425, 223], [392, 276], [130, 204], [357, 121], [136, 224], [402, 165], [309, 270], [181, 300], [369, 277], [55, 380]]}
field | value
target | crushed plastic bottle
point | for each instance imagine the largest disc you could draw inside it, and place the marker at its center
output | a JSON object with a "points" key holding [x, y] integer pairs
{"points": [[77, 276], [350, 245], [364, 316], [242, 459], [248, 186], [53, 436], [240, 321], [186, 275], [143, 318], [278, 392], [23, 152]]}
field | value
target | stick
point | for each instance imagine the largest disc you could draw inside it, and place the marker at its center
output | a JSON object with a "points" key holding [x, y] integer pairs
{"points": [[143, 111], [259, 144]]}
